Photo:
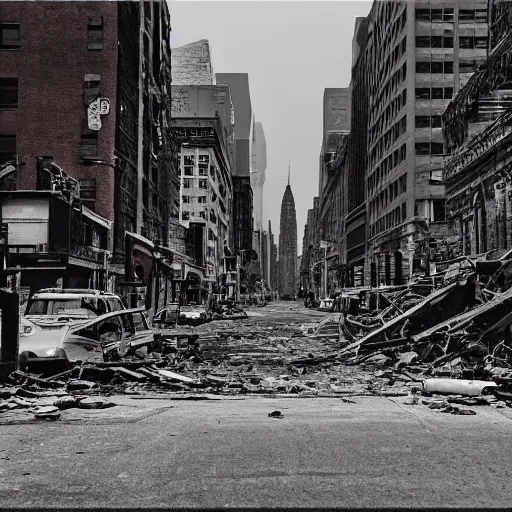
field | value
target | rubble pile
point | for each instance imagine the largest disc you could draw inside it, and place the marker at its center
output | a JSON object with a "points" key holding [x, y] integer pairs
{"points": [[460, 329]]}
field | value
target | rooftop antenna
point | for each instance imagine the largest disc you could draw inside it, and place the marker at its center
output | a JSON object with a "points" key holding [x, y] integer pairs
{"points": [[288, 173]]}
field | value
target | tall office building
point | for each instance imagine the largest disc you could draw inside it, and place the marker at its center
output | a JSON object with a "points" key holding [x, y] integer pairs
{"points": [[417, 56], [287, 244]]}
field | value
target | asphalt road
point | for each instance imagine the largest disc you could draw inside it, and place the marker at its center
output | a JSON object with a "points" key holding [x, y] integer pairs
{"points": [[323, 453]]}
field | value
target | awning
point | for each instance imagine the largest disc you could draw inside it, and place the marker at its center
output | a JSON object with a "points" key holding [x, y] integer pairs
{"points": [[96, 218]]}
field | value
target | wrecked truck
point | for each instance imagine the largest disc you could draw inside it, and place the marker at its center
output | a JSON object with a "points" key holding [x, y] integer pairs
{"points": [[105, 338]]}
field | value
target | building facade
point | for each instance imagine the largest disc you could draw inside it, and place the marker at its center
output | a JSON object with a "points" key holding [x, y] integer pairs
{"points": [[354, 206], [417, 56], [243, 222], [203, 124], [477, 127], [287, 245], [192, 64], [104, 76]]}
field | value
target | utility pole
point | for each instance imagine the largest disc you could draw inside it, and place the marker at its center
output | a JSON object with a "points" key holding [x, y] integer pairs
{"points": [[325, 272]]}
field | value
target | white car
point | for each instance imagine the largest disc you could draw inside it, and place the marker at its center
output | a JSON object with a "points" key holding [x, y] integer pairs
{"points": [[51, 309], [103, 338]]}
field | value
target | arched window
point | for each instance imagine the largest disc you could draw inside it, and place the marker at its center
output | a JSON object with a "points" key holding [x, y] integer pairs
{"points": [[479, 224]]}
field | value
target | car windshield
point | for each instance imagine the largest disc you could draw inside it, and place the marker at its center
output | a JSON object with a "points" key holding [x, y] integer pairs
{"points": [[74, 306]]}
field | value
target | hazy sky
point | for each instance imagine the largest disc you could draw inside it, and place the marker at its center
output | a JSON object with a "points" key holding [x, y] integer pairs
{"points": [[292, 51]]}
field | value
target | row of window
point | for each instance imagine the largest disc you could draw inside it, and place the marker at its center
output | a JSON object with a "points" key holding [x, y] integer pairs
{"points": [[389, 138], [390, 113], [387, 165], [465, 42], [399, 50], [391, 86], [434, 67], [395, 189], [188, 199], [434, 93], [429, 148], [189, 182], [388, 32], [187, 215], [447, 15], [428, 122], [390, 220], [10, 35]]}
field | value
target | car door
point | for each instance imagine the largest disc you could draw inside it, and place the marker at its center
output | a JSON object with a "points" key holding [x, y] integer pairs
{"points": [[136, 332], [82, 343]]}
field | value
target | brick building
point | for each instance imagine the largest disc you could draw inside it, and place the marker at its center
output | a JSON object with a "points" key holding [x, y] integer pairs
{"points": [[192, 64], [477, 125], [92, 97], [417, 56]]}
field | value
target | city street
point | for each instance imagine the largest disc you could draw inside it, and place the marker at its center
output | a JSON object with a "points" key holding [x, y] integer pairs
{"points": [[322, 453]]}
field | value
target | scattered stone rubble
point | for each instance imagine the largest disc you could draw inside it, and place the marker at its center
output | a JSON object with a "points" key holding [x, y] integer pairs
{"points": [[421, 345]]}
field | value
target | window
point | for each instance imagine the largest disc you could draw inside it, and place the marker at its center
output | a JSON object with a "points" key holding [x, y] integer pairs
{"points": [[422, 93], [88, 193], [436, 148], [436, 122], [201, 199], [423, 14], [422, 148], [9, 36], [7, 148], [448, 67], [439, 210], [185, 215], [95, 34], [466, 42], [422, 121], [404, 211], [448, 93], [448, 14], [481, 15], [8, 93], [436, 175], [423, 42], [202, 183], [447, 42], [437, 67], [423, 67], [204, 162], [186, 183], [467, 66], [185, 199], [437, 93], [480, 42], [436, 14], [436, 42], [188, 165], [466, 15]]}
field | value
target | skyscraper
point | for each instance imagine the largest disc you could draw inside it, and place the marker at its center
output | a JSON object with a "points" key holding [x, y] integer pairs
{"points": [[287, 243]]}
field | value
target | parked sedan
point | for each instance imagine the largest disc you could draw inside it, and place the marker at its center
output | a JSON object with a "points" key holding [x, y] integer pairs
{"points": [[104, 338]]}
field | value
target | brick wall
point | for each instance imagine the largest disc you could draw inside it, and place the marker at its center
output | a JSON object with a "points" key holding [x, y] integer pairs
{"points": [[50, 65]]}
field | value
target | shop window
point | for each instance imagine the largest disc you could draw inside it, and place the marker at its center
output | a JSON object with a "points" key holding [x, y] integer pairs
{"points": [[9, 36], [8, 93], [95, 34]]}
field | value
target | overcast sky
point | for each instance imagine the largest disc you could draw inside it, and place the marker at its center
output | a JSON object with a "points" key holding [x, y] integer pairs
{"points": [[292, 51]]}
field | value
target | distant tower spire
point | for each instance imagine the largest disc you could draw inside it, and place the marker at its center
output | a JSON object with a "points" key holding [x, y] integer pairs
{"points": [[288, 173]]}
